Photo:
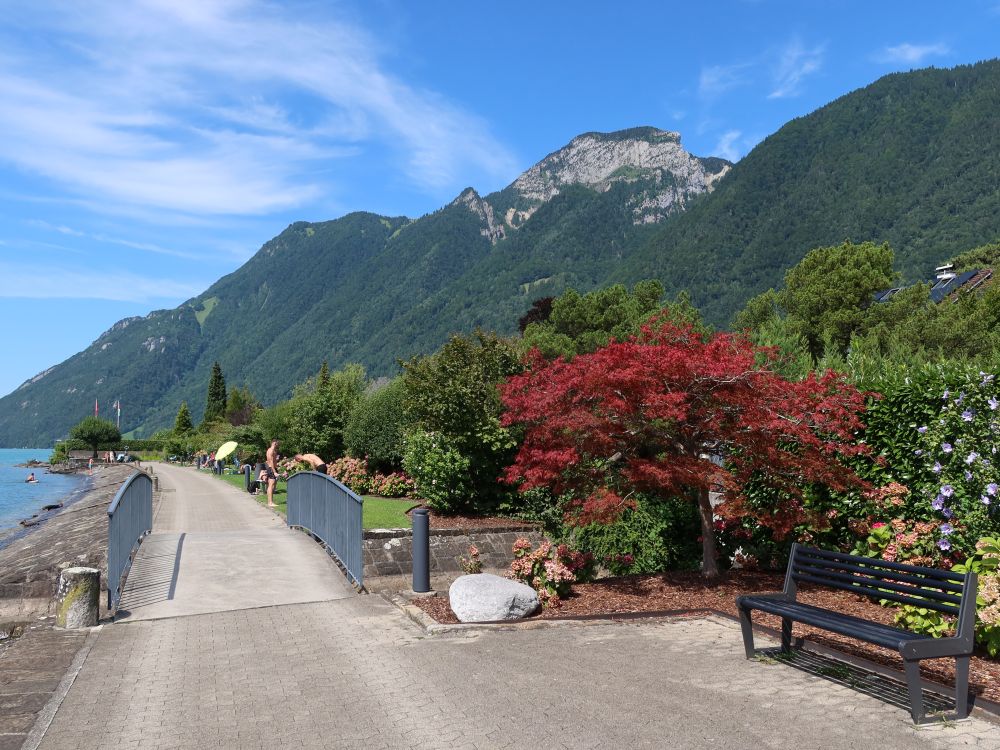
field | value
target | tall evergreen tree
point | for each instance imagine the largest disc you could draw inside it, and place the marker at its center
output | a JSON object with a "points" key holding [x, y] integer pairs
{"points": [[215, 405], [183, 423]]}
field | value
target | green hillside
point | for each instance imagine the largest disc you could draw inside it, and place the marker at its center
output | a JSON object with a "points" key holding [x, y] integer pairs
{"points": [[913, 159]]}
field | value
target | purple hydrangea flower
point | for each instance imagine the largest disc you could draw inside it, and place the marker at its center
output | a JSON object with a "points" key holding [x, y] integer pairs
{"points": [[946, 528], [946, 447], [943, 544], [946, 394], [918, 452], [937, 503], [993, 403], [967, 415], [986, 378], [947, 513], [968, 475], [984, 500], [936, 468], [991, 489], [971, 458], [921, 430], [947, 490]]}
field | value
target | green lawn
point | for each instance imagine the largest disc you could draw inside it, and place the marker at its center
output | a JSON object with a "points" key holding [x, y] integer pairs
{"points": [[377, 512]]}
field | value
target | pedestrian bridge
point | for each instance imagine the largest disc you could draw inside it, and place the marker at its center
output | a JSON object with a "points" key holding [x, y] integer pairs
{"points": [[212, 549]]}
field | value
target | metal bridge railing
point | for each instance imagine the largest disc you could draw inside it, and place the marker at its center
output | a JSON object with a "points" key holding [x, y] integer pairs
{"points": [[329, 511], [130, 518]]}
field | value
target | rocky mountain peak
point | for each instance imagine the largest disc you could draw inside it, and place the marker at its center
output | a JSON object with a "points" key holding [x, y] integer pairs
{"points": [[598, 160], [475, 203]]}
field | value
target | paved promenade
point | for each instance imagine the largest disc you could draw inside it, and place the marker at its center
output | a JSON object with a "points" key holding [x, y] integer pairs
{"points": [[351, 671]]}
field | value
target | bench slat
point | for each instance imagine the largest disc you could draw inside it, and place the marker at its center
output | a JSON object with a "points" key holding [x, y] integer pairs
{"points": [[875, 571], [879, 585], [873, 632], [946, 575], [877, 594]]}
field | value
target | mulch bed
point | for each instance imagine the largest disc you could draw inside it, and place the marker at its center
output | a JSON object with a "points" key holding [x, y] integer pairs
{"points": [[689, 592], [484, 523]]}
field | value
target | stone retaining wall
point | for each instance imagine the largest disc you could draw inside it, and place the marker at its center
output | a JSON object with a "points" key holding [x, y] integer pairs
{"points": [[389, 552]]}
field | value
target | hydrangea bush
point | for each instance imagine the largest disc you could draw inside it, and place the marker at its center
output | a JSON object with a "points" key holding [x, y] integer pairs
{"points": [[353, 472], [550, 570]]}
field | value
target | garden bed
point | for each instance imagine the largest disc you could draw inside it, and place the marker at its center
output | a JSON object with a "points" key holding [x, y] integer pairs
{"points": [[476, 523], [689, 592]]}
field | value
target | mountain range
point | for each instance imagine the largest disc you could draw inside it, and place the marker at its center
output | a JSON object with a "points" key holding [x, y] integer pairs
{"points": [[912, 159]]}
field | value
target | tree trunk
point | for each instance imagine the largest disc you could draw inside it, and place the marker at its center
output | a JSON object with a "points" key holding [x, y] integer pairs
{"points": [[709, 564]]}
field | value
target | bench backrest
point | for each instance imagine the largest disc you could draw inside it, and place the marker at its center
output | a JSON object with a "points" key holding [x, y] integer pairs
{"points": [[939, 590]]}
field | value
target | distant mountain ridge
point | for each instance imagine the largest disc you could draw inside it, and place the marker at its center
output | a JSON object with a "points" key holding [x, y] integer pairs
{"points": [[912, 159], [359, 288]]}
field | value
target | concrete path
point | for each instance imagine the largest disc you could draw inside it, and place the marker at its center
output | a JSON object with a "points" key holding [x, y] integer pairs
{"points": [[354, 672], [213, 549]]}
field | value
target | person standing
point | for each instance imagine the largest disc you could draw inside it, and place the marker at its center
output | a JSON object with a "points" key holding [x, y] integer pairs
{"points": [[271, 469]]}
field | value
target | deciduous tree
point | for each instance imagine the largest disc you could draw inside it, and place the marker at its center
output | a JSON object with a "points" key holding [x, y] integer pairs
{"points": [[96, 432], [653, 413]]}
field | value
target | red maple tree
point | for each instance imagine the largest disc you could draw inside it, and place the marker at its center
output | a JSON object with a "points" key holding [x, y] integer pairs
{"points": [[650, 414]]}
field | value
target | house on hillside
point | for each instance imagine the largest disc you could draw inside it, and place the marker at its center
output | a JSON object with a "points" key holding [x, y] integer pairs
{"points": [[946, 284]]}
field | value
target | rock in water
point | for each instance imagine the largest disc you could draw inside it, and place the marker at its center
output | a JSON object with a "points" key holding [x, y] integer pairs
{"points": [[484, 597]]}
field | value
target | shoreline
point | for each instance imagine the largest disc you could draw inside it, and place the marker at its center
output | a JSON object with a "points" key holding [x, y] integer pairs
{"points": [[10, 534]]}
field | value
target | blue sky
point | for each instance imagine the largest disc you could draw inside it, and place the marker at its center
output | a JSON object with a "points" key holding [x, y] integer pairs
{"points": [[148, 148]]}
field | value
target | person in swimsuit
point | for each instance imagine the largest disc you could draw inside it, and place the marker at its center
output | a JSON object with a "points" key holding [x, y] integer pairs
{"points": [[313, 460], [271, 470], [31, 478]]}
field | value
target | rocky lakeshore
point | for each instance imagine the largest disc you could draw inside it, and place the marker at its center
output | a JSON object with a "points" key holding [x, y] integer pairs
{"points": [[75, 534]]}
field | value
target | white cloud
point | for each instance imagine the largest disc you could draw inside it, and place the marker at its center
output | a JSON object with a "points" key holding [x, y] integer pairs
{"points": [[718, 79], [23, 282], [912, 54], [727, 145], [220, 107], [795, 62]]}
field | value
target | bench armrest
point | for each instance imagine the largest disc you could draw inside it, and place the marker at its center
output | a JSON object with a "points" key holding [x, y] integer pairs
{"points": [[935, 648]]}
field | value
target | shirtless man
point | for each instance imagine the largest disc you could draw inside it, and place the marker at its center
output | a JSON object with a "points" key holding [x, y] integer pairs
{"points": [[313, 460], [271, 470]]}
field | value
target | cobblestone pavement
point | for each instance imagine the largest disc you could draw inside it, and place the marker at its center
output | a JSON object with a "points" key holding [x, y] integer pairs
{"points": [[355, 673]]}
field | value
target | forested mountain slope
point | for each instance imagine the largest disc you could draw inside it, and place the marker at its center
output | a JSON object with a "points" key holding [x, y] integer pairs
{"points": [[913, 159]]}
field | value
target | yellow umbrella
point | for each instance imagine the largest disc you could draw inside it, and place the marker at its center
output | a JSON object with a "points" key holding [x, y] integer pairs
{"points": [[225, 449]]}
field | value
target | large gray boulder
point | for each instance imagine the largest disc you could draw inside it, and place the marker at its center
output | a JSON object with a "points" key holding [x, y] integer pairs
{"points": [[484, 597]]}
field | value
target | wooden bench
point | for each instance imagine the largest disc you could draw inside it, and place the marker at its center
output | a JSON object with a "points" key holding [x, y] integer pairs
{"points": [[939, 590]]}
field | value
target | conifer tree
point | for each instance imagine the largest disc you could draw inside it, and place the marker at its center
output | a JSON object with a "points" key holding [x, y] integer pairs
{"points": [[183, 423], [215, 405]]}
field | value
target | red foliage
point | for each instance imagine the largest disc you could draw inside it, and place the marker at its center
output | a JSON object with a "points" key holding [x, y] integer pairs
{"points": [[645, 414]]}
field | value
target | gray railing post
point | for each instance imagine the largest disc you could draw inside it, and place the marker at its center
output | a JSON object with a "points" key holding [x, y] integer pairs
{"points": [[421, 551]]}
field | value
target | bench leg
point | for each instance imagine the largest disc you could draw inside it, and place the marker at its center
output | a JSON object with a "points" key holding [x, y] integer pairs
{"points": [[962, 687], [786, 635], [747, 628], [913, 687]]}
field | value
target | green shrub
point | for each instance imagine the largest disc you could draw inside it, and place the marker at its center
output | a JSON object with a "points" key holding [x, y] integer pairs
{"points": [[656, 535], [374, 430], [439, 471]]}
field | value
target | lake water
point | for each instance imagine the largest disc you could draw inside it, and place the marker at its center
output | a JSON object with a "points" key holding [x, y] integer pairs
{"points": [[18, 499]]}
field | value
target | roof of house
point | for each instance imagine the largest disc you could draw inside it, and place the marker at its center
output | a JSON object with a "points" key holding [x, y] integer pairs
{"points": [[946, 284]]}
